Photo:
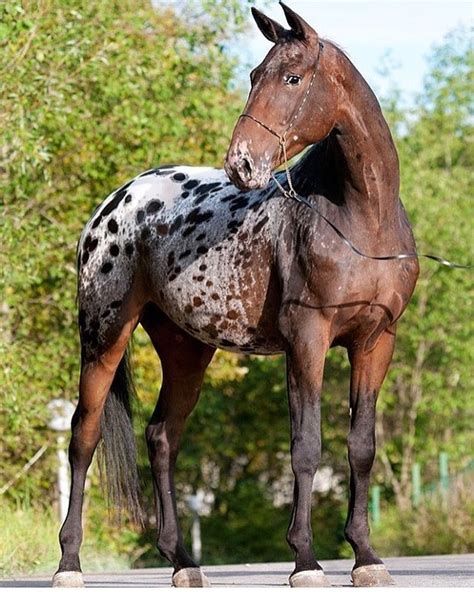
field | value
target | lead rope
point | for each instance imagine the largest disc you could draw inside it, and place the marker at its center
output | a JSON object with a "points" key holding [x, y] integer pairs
{"points": [[292, 194]]}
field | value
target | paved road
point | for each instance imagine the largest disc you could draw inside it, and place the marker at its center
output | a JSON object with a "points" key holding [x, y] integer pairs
{"points": [[434, 571]]}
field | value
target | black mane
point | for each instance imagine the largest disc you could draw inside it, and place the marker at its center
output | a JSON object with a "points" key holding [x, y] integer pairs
{"points": [[321, 170]]}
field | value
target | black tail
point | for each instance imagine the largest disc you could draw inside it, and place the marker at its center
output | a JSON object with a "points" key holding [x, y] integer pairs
{"points": [[117, 452]]}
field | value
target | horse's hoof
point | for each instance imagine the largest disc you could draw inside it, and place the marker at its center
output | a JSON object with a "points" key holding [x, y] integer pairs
{"points": [[190, 577], [371, 575], [68, 579], [310, 578]]}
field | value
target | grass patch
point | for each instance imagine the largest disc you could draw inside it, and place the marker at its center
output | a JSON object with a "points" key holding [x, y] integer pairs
{"points": [[441, 525], [29, 544]]}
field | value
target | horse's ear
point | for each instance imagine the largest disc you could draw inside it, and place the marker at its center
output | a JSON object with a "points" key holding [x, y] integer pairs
{"points": [[299, 26], [272, 30]]}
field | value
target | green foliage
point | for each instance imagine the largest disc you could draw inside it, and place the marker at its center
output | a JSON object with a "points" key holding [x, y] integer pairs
{"points": [[29, 543], [92, 93], [427, 399], [439, 526]]}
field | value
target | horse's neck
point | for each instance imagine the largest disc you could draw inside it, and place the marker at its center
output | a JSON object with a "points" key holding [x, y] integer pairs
{"points": [[369, 158]]}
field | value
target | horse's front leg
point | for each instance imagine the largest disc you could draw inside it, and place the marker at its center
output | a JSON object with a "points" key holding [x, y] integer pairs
{"points": [[307, 346], [367, 374]]}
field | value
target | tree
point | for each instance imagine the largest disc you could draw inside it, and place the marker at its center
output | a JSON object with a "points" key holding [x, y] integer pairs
{"points": [[427, 399], [93, 93]]}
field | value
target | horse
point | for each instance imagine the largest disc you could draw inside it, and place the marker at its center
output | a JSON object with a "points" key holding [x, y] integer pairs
{"points": [[207, 258]]}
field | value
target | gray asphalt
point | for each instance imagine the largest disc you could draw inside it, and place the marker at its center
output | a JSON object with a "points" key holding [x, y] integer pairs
{"points": [[409, 572]]}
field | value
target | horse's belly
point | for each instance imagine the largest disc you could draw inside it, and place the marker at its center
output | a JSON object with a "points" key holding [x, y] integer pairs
{"points": [[225, 295]]}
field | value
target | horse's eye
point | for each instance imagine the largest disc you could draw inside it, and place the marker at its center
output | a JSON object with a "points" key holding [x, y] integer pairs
{"points": [[292, 79]]}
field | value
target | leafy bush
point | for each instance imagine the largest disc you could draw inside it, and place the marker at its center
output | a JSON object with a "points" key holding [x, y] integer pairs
{"points": [[440, 525]]}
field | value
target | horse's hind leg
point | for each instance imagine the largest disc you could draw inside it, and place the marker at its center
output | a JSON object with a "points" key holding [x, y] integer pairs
{"points": [[97, 374], [184, 361], [367, 375]]}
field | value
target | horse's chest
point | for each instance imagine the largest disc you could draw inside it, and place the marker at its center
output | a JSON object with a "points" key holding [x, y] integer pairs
{"points": [[357, 296]]}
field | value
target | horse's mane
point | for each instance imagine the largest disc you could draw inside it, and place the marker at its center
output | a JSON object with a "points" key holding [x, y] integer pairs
{"points": [[344, 52], [321, 170]]}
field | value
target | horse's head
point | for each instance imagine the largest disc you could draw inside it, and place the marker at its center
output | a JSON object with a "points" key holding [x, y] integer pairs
{"points": [[292, 99]]}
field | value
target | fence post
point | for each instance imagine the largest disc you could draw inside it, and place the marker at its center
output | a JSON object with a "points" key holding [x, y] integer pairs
{"points": [[375, 505], [63, 478], [416, 484], [444, 473], [195, 504], [61, 412]]}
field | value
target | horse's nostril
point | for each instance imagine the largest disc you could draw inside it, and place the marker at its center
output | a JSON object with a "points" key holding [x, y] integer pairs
{"points": [[246, 168]]}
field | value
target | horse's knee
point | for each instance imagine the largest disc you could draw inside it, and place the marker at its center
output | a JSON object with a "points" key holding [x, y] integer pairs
{"points": [[361, 451], [305, 455]]}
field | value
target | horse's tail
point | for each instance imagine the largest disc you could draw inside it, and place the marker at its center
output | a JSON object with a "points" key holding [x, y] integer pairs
{"points": [[117, 452]]}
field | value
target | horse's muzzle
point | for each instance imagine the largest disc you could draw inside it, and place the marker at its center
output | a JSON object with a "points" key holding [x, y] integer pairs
{"points": [[243, 172]]}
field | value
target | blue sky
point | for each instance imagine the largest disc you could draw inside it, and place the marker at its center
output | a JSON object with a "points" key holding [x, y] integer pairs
{"points": [[369, 29]]}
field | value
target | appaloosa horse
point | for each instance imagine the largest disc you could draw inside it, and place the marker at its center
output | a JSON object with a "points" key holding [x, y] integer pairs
{"points": [[204, 265]]}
